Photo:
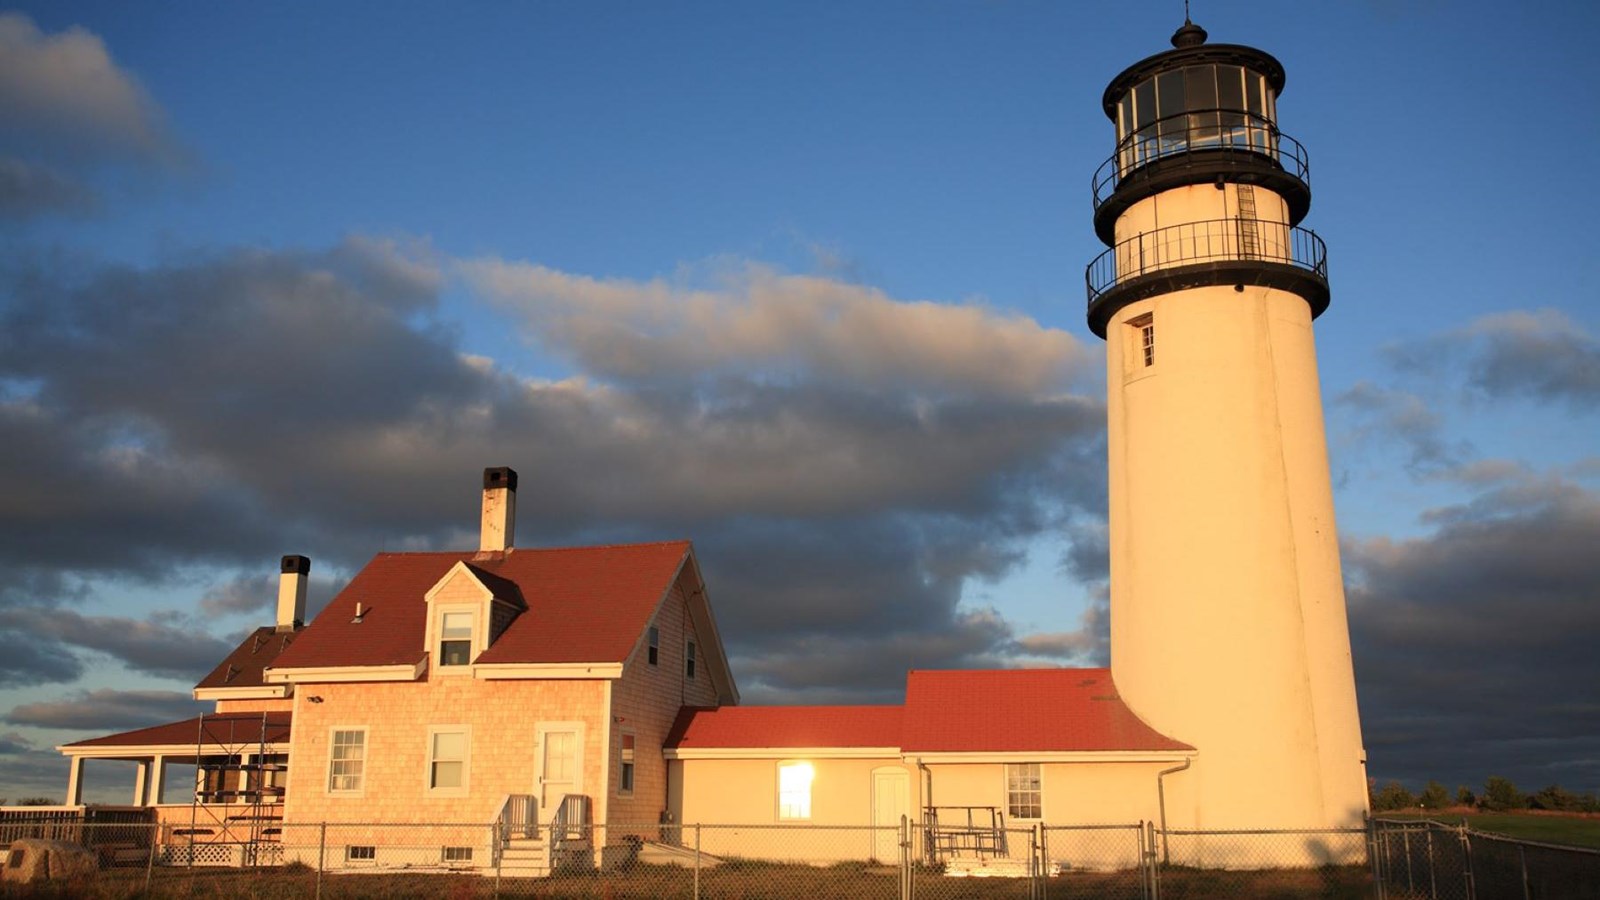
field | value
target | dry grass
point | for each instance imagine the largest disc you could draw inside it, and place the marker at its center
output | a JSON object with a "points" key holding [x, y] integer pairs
{"points": [[739, 880]]}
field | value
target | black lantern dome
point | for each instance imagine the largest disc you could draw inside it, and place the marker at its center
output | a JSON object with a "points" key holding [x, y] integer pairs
{"points": [[1202, 114]]}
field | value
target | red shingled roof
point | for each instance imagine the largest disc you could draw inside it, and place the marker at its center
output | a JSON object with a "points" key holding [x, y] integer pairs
{"points": [[244, 665], [787, 726], [1022, 710], [958, 711], [583, 604], [219, 732]]}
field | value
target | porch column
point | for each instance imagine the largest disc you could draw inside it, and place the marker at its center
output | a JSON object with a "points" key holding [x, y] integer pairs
{"points": [[158, 779], [141, 782], [75, 782]]}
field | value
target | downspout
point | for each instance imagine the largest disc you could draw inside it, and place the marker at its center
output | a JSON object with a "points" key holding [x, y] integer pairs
{"points": [[927, 783], [1161, 797]]}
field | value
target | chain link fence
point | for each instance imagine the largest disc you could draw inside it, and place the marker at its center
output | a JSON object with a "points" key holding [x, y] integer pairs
{"points": [[912, 861], [1416, 858]]}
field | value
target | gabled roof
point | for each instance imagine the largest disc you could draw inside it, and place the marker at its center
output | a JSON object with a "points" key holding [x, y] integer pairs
{"points": [[222, 731], [985, 711], [786, 726], [243, 667], [582, 605], [1022, 710]]}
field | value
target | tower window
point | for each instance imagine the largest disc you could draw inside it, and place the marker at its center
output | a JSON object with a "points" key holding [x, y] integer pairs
{"points": [[1145, 346]]}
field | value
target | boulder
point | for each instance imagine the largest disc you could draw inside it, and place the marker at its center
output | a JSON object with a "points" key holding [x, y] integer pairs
{"points": [[33, 859]]}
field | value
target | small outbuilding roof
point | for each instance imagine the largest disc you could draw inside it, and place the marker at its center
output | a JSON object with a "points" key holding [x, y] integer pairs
{"points": [[1022, 710], [960, 711], [769, 727]]}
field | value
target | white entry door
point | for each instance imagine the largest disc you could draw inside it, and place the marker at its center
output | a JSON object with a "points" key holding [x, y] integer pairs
{"points": [[891, 799], [559, 764]]}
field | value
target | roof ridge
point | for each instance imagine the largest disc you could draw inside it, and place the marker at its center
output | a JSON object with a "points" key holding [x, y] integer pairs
{"points": [[468, 554], [1021, 669]]}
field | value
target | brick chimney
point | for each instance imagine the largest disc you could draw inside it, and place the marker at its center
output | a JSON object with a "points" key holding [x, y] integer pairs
{"points": [[292, 592], [499, 509]]}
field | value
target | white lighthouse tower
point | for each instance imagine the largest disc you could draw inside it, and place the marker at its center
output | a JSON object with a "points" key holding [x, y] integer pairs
{"points": [[1228, 625]]}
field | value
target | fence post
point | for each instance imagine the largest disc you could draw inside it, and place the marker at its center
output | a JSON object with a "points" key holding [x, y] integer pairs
{"points": [[1044, 862], [499, 854], [150, 864], [1405, 837], [322, 853], [1466, 856], [905, 858], [697, 861], [1522, 855], [1433, 883]]}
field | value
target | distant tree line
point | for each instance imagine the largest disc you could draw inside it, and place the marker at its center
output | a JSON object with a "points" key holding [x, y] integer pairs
{"points": [[1498, 795]]}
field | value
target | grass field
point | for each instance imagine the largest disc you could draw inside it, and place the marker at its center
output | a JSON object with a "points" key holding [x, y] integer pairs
{"points": [[1569, 830], [754, 880]]}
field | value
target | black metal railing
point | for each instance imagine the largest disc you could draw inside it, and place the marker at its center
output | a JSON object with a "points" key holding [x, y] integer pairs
{"points": [[1197, 131], [1207, 241]]}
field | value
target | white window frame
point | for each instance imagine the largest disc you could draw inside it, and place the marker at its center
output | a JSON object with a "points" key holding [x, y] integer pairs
{"points": [[474, 642], [366, 754], [792, 806], [628, 770], [1010, 791], [462, 789], [368, 854]]}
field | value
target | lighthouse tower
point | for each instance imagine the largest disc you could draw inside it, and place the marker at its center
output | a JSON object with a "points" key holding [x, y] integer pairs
{"points": [[1228, 625]]}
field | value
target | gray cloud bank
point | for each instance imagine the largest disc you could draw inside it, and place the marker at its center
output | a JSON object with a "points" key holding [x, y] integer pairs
{"points": [[216, 412], [1474, 643], [70, 113]]}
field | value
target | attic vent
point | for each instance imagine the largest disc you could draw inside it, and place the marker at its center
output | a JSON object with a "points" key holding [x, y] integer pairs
{"points": [[259, 640], [233, 672]]}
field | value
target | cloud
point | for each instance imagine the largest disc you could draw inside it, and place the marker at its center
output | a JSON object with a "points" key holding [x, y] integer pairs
{"points": [[1386, 414], [243, 594], [245, 404], [25, 660], [104, 709], [1540, 354], [13, 744], [153, 647], [64, 95], [28, 190], [1473, 643], [754, 318]]}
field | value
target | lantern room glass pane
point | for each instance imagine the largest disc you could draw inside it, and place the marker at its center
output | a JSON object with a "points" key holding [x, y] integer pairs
{"points": [[1230, 87], [1169, 93], [1144, 103], [1200, 87]]}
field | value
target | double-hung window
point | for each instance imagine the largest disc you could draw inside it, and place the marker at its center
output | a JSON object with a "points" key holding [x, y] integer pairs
{"points": [[347, 758], [447, 758], [625, 784], [455, 639]]}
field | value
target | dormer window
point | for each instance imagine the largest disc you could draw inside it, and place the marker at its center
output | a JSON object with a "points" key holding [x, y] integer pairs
{"points": [[455, 639]]}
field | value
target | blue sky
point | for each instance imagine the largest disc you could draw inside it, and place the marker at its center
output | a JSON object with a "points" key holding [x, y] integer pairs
{"points": [[801, 282]]}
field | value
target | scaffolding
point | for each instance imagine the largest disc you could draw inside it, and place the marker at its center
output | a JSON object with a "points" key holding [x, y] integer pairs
{"points": [[236, 817]]}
